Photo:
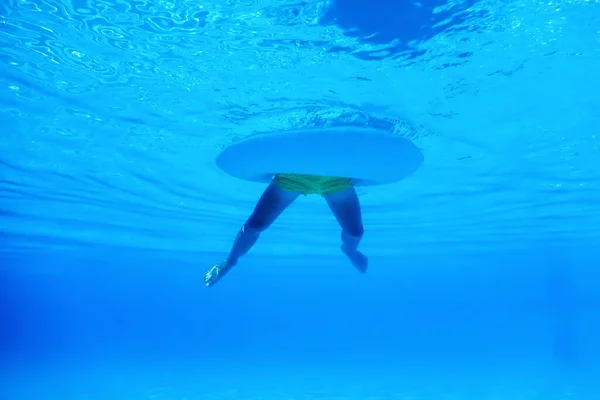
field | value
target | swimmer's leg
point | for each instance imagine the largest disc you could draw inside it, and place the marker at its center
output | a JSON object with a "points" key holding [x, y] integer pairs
{"points": [[271, 204], [346, 209]]}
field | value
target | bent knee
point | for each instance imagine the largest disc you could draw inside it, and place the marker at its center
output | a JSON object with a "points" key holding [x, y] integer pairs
{"points": [[256, 223], [360, 231], [356, 231]]}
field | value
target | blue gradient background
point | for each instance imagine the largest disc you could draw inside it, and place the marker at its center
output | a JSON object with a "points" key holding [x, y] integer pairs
{"points": [[483, 280]]}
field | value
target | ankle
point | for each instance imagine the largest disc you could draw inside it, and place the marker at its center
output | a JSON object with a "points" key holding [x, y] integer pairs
{"points": [[228, 263], [347, 248], [350, 241]]}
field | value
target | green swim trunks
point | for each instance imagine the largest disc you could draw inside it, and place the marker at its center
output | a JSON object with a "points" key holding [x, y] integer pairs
{"points": [[311, 184]]}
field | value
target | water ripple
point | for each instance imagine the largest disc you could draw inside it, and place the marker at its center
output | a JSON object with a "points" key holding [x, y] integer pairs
{"points": [[113, 111]]}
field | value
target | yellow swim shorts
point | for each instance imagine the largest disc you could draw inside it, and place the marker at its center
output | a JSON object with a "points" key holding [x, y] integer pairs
{"points": [[311, 184]]}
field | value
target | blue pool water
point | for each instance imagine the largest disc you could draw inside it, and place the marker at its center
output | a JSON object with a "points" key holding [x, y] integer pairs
{"points": [[483, 278]]}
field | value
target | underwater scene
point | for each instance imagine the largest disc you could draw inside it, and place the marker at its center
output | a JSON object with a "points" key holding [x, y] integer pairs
{"points": [[299, 200]]}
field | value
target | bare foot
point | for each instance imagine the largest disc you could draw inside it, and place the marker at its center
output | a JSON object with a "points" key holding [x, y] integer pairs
{"points": [[358, 259], [214, 274]]}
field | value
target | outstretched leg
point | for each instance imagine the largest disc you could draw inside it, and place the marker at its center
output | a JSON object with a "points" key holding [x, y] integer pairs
{"points": [[271, 204], [346, 209]]}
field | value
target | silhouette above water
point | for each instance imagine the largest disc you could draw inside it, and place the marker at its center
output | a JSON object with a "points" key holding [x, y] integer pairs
{"points": [[381, 22]]}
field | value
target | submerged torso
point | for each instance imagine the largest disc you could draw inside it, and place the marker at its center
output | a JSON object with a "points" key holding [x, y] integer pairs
{"points": [[311, 184]]}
